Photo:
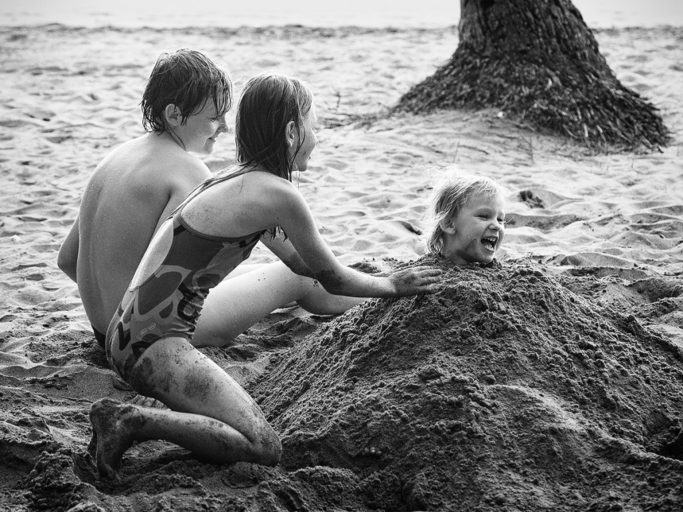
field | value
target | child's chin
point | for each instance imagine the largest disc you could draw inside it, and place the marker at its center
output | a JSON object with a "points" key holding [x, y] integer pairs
{"points": [[485, 260]]}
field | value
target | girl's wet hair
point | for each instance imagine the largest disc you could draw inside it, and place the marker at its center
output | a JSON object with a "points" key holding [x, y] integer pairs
{"points": [[448, 199], [268, 103], [186, 79]]}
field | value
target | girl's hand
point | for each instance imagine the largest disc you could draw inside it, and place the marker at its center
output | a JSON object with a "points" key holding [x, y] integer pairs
{"points": [[416, 280]]}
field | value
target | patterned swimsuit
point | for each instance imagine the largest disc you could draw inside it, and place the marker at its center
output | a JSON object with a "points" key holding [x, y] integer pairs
{"points": [[167, 292]]}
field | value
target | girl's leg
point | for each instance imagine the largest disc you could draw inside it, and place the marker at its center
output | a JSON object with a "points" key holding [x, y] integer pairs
{"points": [[239, 302], [210, 414]]}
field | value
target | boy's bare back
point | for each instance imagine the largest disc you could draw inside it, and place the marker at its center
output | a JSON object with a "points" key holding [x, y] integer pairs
{"points": [[132, 190], [141, 182]]}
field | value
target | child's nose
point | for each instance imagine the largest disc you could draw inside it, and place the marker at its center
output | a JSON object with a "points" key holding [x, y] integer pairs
{"points": [[223, 124]]}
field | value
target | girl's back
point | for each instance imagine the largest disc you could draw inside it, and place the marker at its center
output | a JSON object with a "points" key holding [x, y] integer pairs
{"points": [[238, 203], [181, 265]]}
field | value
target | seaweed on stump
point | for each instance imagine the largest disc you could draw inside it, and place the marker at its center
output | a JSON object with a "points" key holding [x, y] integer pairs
{"points": [[538, 61]]}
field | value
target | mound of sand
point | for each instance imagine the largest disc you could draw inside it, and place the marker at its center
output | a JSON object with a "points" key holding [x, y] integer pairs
{"points": [[505, 389], [512, 388]]}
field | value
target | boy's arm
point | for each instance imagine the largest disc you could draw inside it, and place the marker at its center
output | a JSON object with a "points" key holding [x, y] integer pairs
{"points": [[67, 259]]}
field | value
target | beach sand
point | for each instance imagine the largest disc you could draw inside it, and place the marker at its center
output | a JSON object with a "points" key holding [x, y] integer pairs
{"points": [[552, 380]]}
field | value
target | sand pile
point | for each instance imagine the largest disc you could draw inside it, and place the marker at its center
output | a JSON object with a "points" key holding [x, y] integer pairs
{"points": [[507, 389], [512, 388]]}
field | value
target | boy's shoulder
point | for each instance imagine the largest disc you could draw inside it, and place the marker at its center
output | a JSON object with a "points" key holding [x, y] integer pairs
{"points": [[170, 164], [145, 165]]}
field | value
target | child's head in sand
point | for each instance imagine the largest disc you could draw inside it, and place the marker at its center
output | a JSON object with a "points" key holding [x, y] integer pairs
{"points": [[182, 85], [274, 125], [468, 219]]}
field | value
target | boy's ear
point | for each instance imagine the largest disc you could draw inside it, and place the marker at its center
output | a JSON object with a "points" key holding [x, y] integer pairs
{"points": [[446, 226], [172, 115]]}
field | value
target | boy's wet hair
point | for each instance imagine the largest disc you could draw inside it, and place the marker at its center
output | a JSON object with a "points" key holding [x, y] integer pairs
{"points": [[186, 79], [448, 199], [267, 104]]}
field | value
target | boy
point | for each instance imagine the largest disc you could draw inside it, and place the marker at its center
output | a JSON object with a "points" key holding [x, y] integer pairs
{"points": [[139, 183]]}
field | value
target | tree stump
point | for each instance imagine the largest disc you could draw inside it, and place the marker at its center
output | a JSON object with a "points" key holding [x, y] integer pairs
{"points": [[539, 62]]}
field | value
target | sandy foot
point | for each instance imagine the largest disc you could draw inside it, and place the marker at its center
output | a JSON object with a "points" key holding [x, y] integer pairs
{"points": [[112, 434]]}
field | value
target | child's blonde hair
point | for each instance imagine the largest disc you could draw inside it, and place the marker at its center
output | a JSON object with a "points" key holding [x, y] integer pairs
{"points": [[448, 199]]}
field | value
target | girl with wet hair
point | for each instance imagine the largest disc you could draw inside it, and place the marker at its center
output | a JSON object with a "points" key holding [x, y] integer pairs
{"points": [[267, 106]]}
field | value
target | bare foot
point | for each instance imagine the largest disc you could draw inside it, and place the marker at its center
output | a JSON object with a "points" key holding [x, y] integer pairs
{"points": [[113, 433]]}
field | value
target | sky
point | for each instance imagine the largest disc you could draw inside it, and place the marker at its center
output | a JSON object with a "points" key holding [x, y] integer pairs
{"points": [[169, 13]]}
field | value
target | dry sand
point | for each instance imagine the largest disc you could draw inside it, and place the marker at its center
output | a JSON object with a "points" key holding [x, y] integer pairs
{"points": [[550, 381]]}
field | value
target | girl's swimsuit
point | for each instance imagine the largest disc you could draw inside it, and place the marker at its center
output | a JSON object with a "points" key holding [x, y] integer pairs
{"points": [[169, 299]]}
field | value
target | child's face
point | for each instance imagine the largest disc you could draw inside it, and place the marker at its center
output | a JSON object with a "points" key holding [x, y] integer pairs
{"points": [[307, 139], [200, 129], [475, 234]]}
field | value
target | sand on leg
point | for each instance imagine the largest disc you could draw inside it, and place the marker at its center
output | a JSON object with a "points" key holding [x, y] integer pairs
{"points": [[209, 413], [239, 302]]}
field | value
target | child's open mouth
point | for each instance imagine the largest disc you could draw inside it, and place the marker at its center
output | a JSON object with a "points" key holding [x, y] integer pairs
{"points": [[489, 242]]}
